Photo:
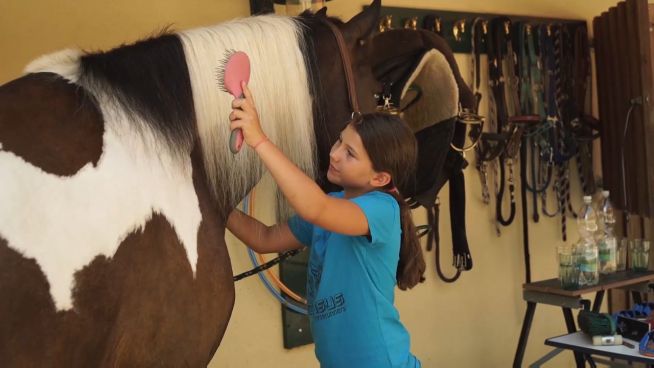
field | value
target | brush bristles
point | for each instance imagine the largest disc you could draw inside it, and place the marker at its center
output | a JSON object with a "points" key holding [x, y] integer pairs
{"points": [[220, 70]]}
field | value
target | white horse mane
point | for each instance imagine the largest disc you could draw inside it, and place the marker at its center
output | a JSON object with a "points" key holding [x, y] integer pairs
{"points": [[279, 82]]}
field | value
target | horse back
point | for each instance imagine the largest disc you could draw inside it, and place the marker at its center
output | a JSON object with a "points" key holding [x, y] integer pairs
{"points": [[50, 123]]}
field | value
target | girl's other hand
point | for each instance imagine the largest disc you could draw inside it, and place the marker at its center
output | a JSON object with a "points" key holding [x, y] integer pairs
{"points": [[244, 115]]}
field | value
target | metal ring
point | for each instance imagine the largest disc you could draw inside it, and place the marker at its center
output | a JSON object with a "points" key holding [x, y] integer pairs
{"points": [[473, 145]]}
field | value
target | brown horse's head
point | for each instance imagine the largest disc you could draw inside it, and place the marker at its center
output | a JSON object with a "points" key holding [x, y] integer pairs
{"points": [[332, 108]]}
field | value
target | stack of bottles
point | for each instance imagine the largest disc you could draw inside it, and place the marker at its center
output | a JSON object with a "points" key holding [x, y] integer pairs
{"points": [[595, 251], [585, 249], [607, 243]]}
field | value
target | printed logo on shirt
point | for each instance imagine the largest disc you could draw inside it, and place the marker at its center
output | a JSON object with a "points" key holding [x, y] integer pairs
{"points": [[327, 307], [313, 281]]}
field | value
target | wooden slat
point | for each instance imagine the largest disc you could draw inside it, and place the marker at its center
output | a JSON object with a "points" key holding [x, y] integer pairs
{"points": [[615, 105], [628, 73], [612, 179], [638, 137], [607, 119], [641, 14], [602, 95]]}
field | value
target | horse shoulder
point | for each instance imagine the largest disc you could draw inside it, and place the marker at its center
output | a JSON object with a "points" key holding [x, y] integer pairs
{"points": [[50, 123]]}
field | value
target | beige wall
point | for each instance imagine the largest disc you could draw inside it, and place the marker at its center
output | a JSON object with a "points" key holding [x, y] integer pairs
{"points": [[472, 323], [30, 28]]}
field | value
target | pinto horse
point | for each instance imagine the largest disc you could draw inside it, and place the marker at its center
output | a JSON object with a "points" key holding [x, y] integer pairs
{"points": [[116, 181]]}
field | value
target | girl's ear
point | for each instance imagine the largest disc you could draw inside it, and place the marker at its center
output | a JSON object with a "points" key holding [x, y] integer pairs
{"points": [[380, 179]]}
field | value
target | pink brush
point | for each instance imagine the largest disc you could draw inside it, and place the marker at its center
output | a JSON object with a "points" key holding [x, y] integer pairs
{"points": [[234, 69]]}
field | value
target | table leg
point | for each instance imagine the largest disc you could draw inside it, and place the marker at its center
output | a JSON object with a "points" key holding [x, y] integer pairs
{"points": [[572, 327], [597, 304], [635, 295], [524, 334]]}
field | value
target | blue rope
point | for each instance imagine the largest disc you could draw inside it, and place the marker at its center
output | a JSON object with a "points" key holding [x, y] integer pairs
{"points": [[265, 281]]}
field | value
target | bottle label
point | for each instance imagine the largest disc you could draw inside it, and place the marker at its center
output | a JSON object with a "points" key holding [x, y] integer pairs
{"points": [[588, 264]]}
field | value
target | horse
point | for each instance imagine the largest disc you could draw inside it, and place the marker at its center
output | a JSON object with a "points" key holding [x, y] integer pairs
{"points": [[116, 181]]}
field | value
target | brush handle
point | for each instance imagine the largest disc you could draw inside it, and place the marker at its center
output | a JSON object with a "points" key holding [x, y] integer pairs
{"points": [[236, 140], [236, 136]]}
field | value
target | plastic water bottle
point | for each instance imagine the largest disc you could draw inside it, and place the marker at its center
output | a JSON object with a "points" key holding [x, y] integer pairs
{"points": [[586, 247], [606, 241]]}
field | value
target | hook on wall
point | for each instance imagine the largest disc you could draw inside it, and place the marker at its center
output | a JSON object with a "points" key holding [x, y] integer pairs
{"points": [[456, 27], [459, 29], [433, 23], [411, 23], [385, 23]]}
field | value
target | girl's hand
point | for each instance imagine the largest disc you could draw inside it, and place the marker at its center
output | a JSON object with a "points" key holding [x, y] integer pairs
{"points": [[244, 115]]}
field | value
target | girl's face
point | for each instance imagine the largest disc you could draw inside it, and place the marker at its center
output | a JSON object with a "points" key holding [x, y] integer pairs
{"points": [[349, 164]]}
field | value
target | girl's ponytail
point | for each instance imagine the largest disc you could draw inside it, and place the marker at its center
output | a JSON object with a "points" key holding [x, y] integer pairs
{"points": [[411, 267], [392, 148]]}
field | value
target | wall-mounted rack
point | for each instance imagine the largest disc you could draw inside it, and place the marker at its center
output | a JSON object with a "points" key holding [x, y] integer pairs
{"points": [[455, 25]]}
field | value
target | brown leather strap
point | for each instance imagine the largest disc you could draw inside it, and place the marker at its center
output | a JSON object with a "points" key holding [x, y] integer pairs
{"points": [[347, 65]]}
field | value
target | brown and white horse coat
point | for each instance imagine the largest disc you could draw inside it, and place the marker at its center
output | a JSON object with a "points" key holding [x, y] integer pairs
{"points": [[115, 181]]}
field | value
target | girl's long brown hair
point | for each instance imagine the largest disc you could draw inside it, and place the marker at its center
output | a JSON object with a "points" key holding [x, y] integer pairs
{"points": [[392, 148]]}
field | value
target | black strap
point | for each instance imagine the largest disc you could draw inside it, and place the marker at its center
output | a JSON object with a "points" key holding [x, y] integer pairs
{"points": [[434, 238], [525, 223], [462, 256], [496, 55], [267, 265]]}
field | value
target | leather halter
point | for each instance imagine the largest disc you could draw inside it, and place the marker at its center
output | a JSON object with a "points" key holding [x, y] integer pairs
{"points": [[347, 66]]}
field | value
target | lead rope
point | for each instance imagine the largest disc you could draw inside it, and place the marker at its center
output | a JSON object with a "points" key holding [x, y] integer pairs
{"points": [[562, 188], [563, 163], [492, 113], [581, 79], [551, 115], [478, 31], [505, 75]]}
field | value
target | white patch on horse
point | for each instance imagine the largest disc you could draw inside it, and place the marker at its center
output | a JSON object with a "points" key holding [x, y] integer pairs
{"points": [[63, 62], [64, 222]]}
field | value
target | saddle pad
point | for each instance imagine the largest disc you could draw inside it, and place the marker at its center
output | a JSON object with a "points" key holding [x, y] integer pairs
{"points": [[440, 93]]}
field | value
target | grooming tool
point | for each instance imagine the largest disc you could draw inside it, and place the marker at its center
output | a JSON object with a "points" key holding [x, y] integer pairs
{"points": [[595, 324], [234, 69]]}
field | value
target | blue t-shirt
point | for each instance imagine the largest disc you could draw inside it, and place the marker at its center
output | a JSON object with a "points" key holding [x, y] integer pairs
{"points": [[350, 289]]}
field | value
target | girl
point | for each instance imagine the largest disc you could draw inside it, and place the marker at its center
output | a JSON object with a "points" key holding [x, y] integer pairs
{"points": [[362, 239]]}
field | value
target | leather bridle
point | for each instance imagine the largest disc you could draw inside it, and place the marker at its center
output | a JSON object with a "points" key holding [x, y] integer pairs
{"points": [[347, 66]]}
